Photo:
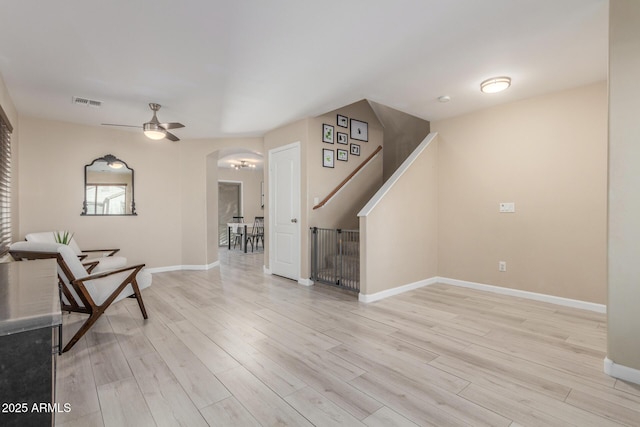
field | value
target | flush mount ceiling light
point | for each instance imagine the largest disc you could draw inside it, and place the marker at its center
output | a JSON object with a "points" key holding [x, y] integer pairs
{"points": [[115, 165], [495, 84], [444, 98], [243, 164]]}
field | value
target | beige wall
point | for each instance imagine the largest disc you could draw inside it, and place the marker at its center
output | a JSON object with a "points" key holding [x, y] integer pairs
{"points": [[624, 183], [546, 154], [399, 237], [342, 210], [317, 181], [549, 156], [402, 134], [177, 208], [51, 184]]}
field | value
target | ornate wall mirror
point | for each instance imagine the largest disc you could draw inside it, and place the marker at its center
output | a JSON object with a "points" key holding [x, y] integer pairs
{"points": [[108, 187]]}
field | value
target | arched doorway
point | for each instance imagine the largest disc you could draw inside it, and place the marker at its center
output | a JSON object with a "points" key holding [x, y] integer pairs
{"points": [[240, 182]]}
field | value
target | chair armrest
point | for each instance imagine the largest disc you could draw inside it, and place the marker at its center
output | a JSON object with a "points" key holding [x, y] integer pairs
{"points": [[137, 267], [112, 251], [30, 255], [89, 266]]}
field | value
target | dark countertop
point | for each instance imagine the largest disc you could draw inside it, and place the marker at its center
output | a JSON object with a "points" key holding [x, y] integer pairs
{"points": [[29, 296]]}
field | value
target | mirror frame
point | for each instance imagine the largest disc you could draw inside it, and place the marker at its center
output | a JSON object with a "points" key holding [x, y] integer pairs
{"points": [[109, 158]]}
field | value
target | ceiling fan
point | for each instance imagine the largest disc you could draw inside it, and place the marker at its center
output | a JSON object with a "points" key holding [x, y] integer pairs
{"points": [[153, 129]]}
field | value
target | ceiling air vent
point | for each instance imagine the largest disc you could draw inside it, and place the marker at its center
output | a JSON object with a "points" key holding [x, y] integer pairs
{"points": [[86, 102]]}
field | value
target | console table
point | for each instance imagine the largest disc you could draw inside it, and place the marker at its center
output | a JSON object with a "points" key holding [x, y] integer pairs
{"points": [[30, 319]]}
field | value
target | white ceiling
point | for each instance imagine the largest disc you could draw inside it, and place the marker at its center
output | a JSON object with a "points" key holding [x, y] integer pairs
{"points": [[233, 68]]}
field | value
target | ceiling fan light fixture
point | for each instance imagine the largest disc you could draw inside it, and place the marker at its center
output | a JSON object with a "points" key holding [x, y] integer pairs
{"points": [[153, 131], [495, 84]]}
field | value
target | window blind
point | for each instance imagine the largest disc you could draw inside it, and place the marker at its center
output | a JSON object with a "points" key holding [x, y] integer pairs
{"points": [[5, 183]]}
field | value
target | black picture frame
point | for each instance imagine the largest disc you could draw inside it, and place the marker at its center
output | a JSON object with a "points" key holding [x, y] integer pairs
{"points": [[328, 158], [359, 130], [343, 138], [343, 155], [327, 133], [342, 121], [355, 149]]}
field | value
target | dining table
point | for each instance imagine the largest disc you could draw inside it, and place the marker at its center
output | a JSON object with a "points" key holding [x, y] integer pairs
{"points": [[233, 226]]}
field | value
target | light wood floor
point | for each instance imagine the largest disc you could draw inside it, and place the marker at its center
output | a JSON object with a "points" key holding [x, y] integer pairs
{"points": [[234, 347]]}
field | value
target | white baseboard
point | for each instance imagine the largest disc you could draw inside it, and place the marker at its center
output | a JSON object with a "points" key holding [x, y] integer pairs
{"points": [[567, 302], [305, 282], [622, 372], [164, 269], [396, 291], [584, 305], [183, 268]]}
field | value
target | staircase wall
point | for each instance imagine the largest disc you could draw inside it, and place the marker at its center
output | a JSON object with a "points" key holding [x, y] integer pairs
{"points": [[402, 134], [342, 210], [399, 226]]}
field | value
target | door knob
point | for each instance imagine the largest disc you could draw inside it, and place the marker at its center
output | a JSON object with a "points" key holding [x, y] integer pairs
{"points": [[294, 220]]}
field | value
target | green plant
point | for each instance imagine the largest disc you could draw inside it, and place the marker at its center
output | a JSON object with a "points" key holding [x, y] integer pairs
{"points": [[63, 237]]}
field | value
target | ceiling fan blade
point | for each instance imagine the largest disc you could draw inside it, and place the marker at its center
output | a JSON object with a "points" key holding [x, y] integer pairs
{"points": [[172, 125], [172, 137], [115, 124]]}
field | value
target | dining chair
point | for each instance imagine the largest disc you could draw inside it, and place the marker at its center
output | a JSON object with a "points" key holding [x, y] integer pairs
{"points": [[237, 231], [257, 232]]}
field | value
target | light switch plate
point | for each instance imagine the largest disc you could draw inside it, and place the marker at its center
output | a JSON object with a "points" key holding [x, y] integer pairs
{"points": [[507, 207]]}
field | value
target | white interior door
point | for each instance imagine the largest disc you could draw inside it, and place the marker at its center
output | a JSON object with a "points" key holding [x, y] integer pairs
{"points": [[284, 211]]}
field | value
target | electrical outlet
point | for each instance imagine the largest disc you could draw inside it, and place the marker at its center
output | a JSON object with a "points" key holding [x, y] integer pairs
{"points": [[502, 266]]}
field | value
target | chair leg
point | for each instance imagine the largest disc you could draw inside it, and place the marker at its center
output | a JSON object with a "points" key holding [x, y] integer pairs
{"points": [[138, 295], [97, 311], [93, 317]]}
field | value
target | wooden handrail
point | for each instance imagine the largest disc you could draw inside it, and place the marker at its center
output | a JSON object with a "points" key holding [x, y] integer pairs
{"points": [[348, 178]]}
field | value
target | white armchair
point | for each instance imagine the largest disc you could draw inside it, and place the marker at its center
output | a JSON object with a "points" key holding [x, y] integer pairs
{"points": [[83, 292], [105, 262]]}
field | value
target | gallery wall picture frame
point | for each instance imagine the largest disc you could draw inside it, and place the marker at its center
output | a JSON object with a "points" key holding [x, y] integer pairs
{"points": [[343, 138], [343, 121], [355, 149], [327, 133], [328, 158], [359, 130], [343, 155]]}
